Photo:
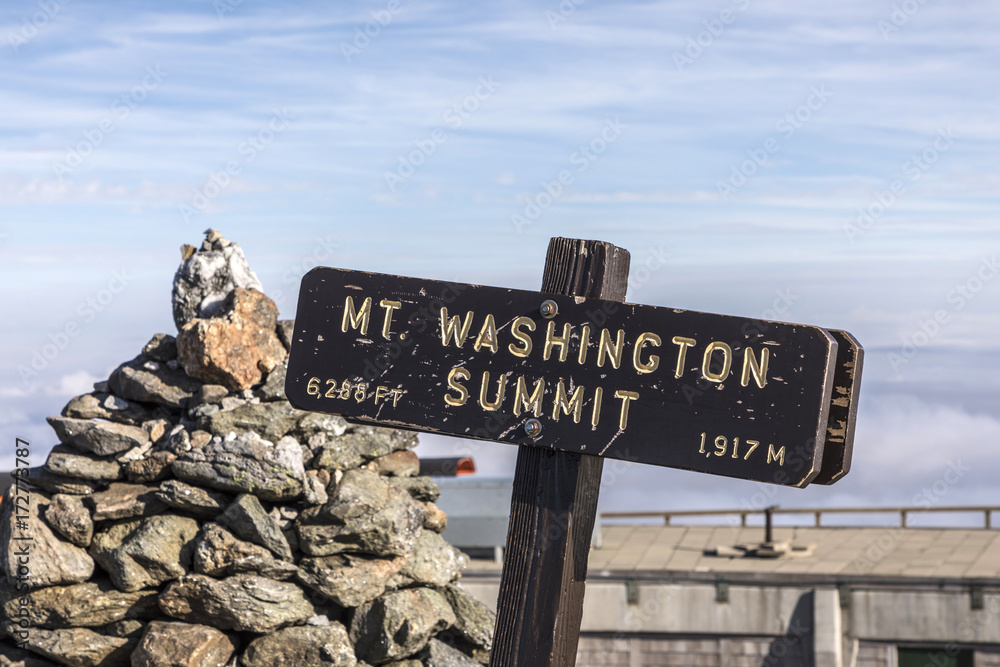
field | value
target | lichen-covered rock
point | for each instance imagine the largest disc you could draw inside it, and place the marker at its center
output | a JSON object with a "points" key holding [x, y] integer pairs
{"points": [[273, 388], [149, 381], [205, 277], [439, 654], [399, 624], [271, 420], [323, 646], [436, 520], [71, 462], [62, 563], [474, 622], [398, 464], [16, 657], [359, 447], [193, 499], [237, 345], [350, 580], [247, 518], [242, 602], [79, 647], [68, 516], [125, 501], [91, 604], [365, 514], [146, 552], [101, 438], [173, 644], [422, 488], [41, 478], [433, 562], [247, 464]]}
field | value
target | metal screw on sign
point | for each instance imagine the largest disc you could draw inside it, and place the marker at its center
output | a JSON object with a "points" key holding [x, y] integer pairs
{"points": [[549, 309], [533, 428]]}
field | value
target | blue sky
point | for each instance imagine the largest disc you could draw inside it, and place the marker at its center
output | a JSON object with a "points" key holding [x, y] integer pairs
{"points": [[735, 148]]}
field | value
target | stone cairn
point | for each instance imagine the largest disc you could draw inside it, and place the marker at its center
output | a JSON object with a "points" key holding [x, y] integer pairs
{"points": [[191, 517]]}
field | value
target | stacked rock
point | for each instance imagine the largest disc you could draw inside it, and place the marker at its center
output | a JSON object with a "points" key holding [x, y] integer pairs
{"points": [[192, 517]]}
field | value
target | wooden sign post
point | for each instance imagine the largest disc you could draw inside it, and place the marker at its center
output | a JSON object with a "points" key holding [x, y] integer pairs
{"points": [[573, 375]]}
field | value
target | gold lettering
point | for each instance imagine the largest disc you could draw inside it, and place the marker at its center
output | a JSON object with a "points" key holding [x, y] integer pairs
{"points": [[605, 349], [454, 375], [626, 397], [595, 416], [750, 365], [487, 336], [380, 392], [563, 404], [531, 402], [354, 318], [753, 445], [727, 359], [501, 388], [584, 344], [683, 343], [398, 393], [654, 360], [387, 322], [451, 330], [515, 330], [778, 456], [552, 340]]}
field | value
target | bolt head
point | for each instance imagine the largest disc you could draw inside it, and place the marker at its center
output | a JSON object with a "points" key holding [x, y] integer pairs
{"points": [[549, 308], [533, 428]]}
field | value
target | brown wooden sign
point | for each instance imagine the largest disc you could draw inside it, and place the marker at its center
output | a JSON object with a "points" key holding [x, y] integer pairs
{"points": [[710, 393]]}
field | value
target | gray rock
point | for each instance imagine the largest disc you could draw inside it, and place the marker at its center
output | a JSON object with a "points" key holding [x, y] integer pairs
{"points": [[245, 465], [161, 347], [92, 406], [146, 552], [197, 501], [242, 602], [91, 604], [273, 388], [152, 468], [314, 490], [433, 562], [439, 654], [422, 488], [437, 520], [127, 628], [125, 501], [398, 464], [205, 278], [101, 438], [16, 657], [285, 329], [212, 393], [166, 386], [314, 423], [218, 553], [63, 563], [360, 446], [327, 646], [42, 479], [364, 514], [474, 622], [68, 516], [173, 644], [350, 580], [270, 420], [203, 411], [79, 647], [247, 518], [71, 462], [398, 625]]}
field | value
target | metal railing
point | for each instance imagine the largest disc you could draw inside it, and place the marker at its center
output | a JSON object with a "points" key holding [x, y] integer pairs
{"points": [[817, 513]]}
